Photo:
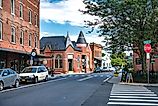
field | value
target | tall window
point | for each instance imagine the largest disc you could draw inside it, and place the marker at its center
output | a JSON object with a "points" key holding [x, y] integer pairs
{"points": [[12, 34], [30, 39], [30, 16], [36, 20], [1, 1], [36, 41], [52, 61], [21, 10], [138, 61], [0, 30], [22, 37], [58, 61], [12, 7]]}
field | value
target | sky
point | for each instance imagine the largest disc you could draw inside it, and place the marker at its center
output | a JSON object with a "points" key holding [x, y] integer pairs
{"points": [[57, 17]]}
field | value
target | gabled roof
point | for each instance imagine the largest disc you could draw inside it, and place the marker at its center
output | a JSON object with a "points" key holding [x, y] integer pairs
{"points": [[57, 43], [81, 39], [54, 42]]}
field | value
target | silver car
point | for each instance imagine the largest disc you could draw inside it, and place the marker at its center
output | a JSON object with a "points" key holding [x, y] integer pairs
{"points": [[8, 77]]}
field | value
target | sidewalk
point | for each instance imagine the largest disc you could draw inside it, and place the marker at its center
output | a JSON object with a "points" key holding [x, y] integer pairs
{"points": [[117, 80]]}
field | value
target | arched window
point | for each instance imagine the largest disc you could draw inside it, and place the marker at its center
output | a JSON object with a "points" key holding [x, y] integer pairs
{"points": [[52, 61], [58, 61]]}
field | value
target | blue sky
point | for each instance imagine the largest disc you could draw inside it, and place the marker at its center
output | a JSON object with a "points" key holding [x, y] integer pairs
{"points": [[57, 17]]}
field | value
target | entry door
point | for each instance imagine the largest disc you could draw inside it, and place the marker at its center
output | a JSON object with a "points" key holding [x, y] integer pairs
{"points": [[70, 68]]}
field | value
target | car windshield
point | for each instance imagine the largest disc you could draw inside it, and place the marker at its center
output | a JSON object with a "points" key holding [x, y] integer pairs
{"points": [[29, 70]]}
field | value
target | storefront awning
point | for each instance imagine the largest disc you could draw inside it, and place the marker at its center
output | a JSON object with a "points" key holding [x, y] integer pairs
{"points": [[15, 51]]}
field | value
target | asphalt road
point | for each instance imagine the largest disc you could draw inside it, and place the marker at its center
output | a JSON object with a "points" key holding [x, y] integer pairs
{"points": [[71, 90]]}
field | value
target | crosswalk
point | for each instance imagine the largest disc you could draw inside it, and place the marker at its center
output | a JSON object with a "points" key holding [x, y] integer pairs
{"points": [[87, 75], [132, 95]]}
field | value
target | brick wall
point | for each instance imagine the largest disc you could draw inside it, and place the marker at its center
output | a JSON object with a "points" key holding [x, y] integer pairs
{"points": [[19, 24]]}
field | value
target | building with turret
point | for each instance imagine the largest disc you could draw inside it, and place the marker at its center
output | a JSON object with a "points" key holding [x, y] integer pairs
{"points": [[67, 56]]}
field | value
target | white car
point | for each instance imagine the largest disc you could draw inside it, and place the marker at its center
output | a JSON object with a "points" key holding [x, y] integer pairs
{"points": [[34, 74]]}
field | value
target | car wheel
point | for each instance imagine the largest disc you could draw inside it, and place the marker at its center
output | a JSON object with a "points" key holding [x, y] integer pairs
{"points": [[46, 79], [36, 80], [1, 86], [16, 85]]}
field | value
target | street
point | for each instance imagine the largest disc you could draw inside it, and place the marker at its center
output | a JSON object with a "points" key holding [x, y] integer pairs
{"points": [[70, 90]]}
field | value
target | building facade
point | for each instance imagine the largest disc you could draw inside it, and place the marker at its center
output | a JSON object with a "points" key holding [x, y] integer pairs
{"points": [[96, 54], [67, 56], [19, 32]]}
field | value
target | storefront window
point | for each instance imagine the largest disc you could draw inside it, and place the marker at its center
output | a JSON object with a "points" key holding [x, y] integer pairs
{"points": [[58, 61]]}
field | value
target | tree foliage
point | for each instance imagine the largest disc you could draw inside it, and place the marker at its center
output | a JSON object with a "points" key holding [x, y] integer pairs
{"points": [[118, 59], [125, 23]]}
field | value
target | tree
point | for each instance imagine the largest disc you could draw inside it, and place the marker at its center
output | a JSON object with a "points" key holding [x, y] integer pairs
{"points": [[118, 59], [127, 23]]}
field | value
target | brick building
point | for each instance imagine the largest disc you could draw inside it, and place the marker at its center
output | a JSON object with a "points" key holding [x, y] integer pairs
{"points": [[19, 31], [96, 54], [67, 56]]}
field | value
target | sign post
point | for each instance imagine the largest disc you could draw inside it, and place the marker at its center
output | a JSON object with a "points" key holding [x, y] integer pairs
{"points": [[147, 49]]}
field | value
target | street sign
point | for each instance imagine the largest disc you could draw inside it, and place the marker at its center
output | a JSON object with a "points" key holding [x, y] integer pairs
{"points": [[147, 48], [147, 41]]}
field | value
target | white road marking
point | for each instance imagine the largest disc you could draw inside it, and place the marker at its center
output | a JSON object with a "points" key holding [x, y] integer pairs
{"points": [[139, 97], [106, 79], [134, 100], [140, 104], [135, 94], [86, 78], [132, 95]]}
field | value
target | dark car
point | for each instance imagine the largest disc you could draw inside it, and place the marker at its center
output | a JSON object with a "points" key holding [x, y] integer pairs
{"points": [[97, 70]]}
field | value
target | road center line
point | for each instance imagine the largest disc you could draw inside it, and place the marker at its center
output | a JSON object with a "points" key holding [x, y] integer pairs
{"points": [[86, 78]]}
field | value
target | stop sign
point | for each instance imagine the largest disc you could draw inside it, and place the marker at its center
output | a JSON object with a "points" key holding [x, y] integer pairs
{"points": [[147, 48]]}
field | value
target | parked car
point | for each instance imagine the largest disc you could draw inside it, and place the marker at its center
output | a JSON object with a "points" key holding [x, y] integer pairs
{"points": [[34, 74], [8, 77], [105, 69], [97, 70]]}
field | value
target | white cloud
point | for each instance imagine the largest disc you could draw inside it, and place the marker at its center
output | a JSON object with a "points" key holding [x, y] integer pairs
{"points": [[64, 11]]}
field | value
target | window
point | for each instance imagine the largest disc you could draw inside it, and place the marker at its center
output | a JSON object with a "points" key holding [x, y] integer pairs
{"points": [[30, 39], [21, 10], [12, 34], [36, 41], [36, 20], [12, 7], [22, 37], [1, 1], [52, 61], [138, 61], [58, 61], [30, 16], [0, 30]]}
